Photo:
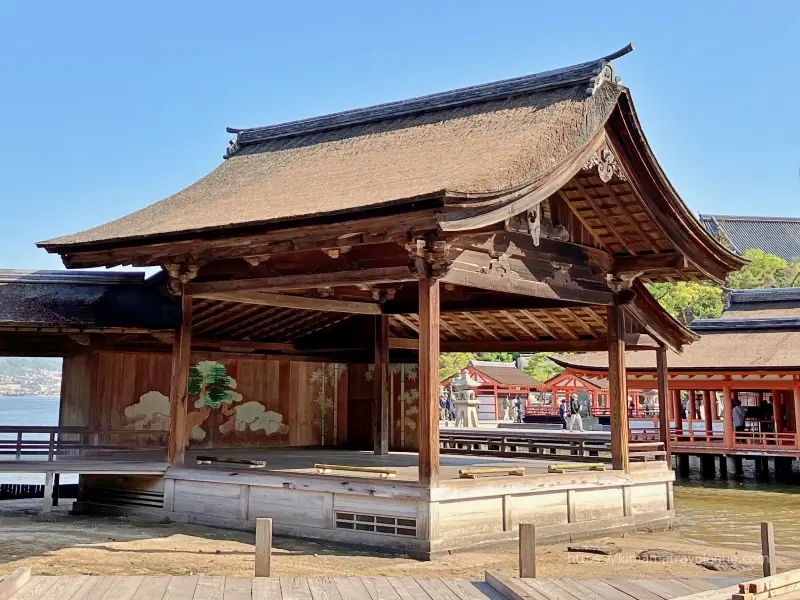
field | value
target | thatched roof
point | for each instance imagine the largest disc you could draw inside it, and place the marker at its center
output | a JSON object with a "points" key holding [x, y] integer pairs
{"points": [[88, 300], [777, 235], [484, 139]]}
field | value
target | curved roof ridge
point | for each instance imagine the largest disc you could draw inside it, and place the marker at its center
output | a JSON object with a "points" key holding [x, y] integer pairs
{"points": [[592, 73]]}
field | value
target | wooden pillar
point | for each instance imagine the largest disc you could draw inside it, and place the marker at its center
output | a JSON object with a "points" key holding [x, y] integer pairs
{"points": [[617, 389], [663, 402], [179, 384], [777, 410], [429, 381], [727, 417], [676, 410], [380, 421], [707, 416], [796, 400]]}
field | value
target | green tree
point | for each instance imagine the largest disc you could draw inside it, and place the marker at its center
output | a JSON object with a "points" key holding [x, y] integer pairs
{"points": [[451, 363], [505, 357], [688, 300], [764, 271], [540, 367]]}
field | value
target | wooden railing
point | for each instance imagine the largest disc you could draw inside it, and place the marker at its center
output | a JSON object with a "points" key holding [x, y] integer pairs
{"points": [[765, 438], [556, 445], [25, 442]]}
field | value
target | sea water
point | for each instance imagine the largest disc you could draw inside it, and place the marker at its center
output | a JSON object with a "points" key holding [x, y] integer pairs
{"points": [[30, 411]]}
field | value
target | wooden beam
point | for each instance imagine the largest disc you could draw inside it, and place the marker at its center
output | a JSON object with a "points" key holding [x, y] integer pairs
{"points": [[241, 346], [380, 431], [668, 261], [617, 389], [305, 281], [479, 324], [429, 382], [525, 346], [179, 384], [299, 302], [396, 343], [528, 331], [525, 287], [663, 401]]}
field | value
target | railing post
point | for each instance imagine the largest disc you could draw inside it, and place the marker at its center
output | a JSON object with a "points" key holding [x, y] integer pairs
{"points": [[527, 550], [263, 566], [768, 548], [19, 445], [51, 446]]}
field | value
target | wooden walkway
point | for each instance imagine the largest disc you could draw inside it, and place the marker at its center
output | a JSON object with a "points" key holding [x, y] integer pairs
{"points": [[85, 587]]}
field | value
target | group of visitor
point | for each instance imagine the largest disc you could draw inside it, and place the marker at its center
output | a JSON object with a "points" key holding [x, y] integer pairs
{"points": [[570, 414]]}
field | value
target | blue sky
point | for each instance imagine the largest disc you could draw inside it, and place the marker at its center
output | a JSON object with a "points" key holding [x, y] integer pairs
{"points": [[106, 107]]}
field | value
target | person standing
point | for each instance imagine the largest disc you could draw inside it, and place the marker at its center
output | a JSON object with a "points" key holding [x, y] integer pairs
{"points": [[563, 412], [575, 413], [738, 415]]}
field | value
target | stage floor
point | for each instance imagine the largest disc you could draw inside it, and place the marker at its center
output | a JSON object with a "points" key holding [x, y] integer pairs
{"points": [[283, 460]]}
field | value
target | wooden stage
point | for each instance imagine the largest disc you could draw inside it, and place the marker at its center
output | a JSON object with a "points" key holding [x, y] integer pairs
{"points": [[85, 587]]}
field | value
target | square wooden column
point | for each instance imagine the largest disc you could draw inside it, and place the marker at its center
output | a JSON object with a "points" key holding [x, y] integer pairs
{"points": [[179, 384], [380, 422], [618, 389], [777, 410], [796, 402], [727, 416], [708, 416], [429, 382], [663, 401]]}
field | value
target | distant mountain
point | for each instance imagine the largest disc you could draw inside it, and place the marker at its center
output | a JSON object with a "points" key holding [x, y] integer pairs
{"points": [[18, 366]]}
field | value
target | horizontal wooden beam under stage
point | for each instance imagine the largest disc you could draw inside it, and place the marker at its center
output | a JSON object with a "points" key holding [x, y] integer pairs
{"points": [[280, 283], [298, 302]]}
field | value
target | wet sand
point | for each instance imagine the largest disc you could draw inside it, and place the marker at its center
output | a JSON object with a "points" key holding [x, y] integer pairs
{"points": [[72, 545]]}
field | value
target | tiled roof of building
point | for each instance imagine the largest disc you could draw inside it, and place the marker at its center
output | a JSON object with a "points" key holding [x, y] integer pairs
{"points": [[775, 235], [778, 303], [504, 373]]}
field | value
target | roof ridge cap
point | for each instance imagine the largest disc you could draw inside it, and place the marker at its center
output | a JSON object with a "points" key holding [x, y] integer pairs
{"points": [[593, 72]]}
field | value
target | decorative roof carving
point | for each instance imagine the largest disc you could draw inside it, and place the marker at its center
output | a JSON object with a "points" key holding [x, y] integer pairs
{"points": [[607, 165]]}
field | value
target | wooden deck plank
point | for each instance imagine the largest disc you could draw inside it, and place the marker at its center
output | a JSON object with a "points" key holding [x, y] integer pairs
{"points": [[666, 588], [352, 588], [266, 588], [63, 588], [379, 588], [209, 588], [35, 587], [488, 591], [633, 590], [576, 589], [436, 589], [93, 588], [323, 588], [464, 589], [238, 588], [122, 588], [701, 585], [295, 588], [152, 588], [13, 583], [601, 588], [512, 587], [408, 589], [549, 590], [181, 587]]}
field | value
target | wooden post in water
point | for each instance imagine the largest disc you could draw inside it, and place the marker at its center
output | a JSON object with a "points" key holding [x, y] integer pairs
{"points": [[527, 550], [263, 548], [768, 548]]}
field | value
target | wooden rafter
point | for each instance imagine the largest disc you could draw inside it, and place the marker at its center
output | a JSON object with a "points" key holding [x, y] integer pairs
{"points": [[638, 226], [608, 216], [406, 322], [300, 302], [498, 323], [479, 324], [577, 212], [531, 317], [577, 319], [528, 331]]}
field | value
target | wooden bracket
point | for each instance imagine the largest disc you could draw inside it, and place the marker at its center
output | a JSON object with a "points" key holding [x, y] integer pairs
{"points": [[180, 274]]}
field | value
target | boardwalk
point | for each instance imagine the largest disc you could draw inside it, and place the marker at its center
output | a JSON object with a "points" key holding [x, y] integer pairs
{"points": [[85, 587]]}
